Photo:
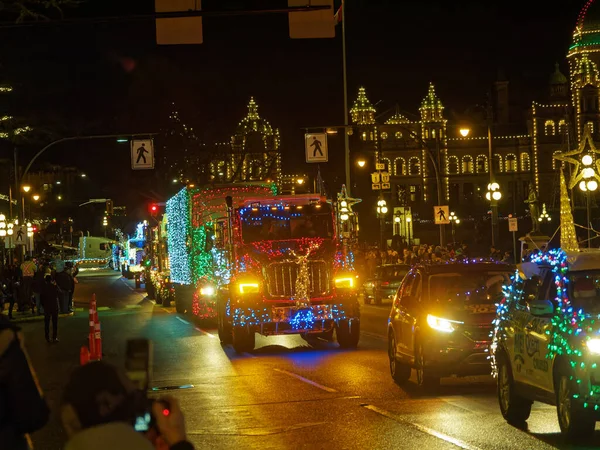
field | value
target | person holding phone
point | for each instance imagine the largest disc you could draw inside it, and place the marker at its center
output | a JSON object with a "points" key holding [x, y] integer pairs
{"points": [[102, 409]]}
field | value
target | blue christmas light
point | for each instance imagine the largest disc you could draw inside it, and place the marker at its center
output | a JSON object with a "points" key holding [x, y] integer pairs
{"points": [[177, 238]]}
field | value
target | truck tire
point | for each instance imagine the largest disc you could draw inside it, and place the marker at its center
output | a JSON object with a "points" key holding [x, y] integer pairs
{"points": [[576, 424], [348, 333], [223, 325], [514, 408], [243, 339]]}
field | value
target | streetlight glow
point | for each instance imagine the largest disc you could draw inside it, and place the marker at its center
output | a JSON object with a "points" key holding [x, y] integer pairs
{"points": [[464, 132], [587, 160], [300, 181], [36, 197], [26, 188], [361, 163]]}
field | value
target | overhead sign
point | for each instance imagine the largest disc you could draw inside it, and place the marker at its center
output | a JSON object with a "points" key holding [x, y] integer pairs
{"points": [[178, 30], [385, 177], [386, 186], [312, 24], [376, 186], [315, 145], [441, 214], [513, 224], [380, 166], [375, 178], [142, 154]]}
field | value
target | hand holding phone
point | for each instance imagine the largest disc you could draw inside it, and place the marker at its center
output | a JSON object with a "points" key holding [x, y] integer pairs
{"points": [[169, 420]]}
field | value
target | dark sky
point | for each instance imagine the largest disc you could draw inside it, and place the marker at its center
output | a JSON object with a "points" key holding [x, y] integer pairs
{"points": [[109, 76]]}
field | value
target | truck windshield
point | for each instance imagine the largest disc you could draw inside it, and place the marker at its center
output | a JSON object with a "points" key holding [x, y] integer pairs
{"points": [[280, 224], [584, 290]]}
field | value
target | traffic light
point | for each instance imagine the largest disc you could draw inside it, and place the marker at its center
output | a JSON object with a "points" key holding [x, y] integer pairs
{"points": [[153, 209], [109, 207]]}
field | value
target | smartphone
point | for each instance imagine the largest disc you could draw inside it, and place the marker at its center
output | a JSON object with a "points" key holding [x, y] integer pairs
{"points": [[138, 363]]}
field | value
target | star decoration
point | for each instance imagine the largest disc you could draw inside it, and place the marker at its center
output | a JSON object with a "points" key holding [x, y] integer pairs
{"points": [[586, 147]]}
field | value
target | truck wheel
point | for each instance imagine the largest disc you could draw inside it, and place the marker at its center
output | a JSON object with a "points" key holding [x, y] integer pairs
{"points": [[243, 339], [427, 381], [400, 372], [514, 408], [223, 325], [348, 333], [575, 422]]}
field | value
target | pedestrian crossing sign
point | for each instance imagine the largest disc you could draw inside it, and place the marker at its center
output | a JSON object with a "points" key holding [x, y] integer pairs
{"points": [[441, 215], [315, 145], [142, 154]]}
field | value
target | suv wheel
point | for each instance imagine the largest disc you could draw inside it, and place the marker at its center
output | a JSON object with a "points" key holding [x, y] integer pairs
{"points": [[575, 422], [400, 372], [514, 408], [423, 378]]}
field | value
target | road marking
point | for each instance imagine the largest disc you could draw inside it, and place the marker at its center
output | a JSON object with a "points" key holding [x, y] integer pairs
{"points": [[306, 380], [182, 320], [421, 428], [373, 336], [103, 308], [133, 306], [205, 332]]}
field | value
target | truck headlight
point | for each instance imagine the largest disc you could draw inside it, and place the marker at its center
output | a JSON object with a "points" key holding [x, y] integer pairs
{"points": [[207, 291], [439, 324], [248, 288], [344, 282], [593, 346]]}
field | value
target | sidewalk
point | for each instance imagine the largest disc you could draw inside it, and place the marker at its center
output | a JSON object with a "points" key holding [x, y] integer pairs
{"points": [[28, 317]]}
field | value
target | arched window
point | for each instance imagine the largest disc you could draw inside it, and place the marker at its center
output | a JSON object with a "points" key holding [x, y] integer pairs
{"points": [[452, 165], [549, 128], [562, 127], [388, 164], [497, 163], [414, 166], [555, 162], [399, 166], [525, 162], [482, 164], [467, 164], [510, 164]]}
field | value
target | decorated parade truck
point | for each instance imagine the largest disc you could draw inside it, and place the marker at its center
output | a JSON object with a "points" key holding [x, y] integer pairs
{"points": [[263, 263], [157, 274]]}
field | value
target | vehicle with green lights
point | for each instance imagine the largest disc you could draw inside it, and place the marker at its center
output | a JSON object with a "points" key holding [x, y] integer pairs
{"points": [[546, 343], [440, 323], [157, 275], [263, 263]]}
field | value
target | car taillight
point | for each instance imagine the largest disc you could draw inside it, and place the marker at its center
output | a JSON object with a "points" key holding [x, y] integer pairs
{"points": [[385, 283]]}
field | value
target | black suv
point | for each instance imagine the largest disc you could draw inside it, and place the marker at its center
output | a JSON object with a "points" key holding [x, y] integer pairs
{"points": [[441, 320]]}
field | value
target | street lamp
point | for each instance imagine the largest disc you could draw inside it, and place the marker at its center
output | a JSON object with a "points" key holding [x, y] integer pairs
{"points": [[493, 195], [361, 163], [408, 229], [3, 234], [36, 197], [588, 185], [382, 210], [544, 216], [454, 220], [26, 188], [464, 132], [300, 181], [344, 211]]}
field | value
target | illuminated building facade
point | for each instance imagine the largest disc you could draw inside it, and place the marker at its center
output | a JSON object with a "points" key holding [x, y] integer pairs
{"points": [[522, 150]]}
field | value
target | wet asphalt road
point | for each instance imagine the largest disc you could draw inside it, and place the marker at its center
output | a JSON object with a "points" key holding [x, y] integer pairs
{"points": [[286, 394]]}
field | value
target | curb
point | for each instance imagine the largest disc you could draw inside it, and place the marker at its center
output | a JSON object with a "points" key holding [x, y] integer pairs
{"points": [[21, 318]]}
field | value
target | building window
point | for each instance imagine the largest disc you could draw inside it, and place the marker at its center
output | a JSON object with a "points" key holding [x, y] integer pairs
{"points": [[497, 163], [387, 163], [432, 133], [525, 162], [415, 193], [399, 166], [467, 164], [454, 194], [549, 129], [468, 192], [384, 135], [414, 166], [398, 134], [562, 127], [590, 127], [426, 133], [482, 164], [511, 163], [47, 187], [364, 136], [452, 165]]}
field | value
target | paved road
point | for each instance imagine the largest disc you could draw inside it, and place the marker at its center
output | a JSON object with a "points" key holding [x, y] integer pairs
{"points": [[285, 394]]}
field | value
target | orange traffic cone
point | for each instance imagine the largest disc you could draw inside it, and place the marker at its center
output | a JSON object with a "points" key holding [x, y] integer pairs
{"points": [[97, 337], [84, 355]]}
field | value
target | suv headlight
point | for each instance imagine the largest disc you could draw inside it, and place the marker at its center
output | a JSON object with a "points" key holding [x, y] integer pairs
{"points": [[593, 346], [439, 324]]}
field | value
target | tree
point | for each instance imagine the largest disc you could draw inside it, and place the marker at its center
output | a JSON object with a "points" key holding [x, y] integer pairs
{"points": [[21, 11], [568, 237]]}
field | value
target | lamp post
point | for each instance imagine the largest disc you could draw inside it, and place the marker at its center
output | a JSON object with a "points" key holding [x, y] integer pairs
{"points": [[588, 185], [382, 210], [493, 194], [26, 188], [408, 229], [544, 217], [3, 233], [454, 220], [397, 225]]}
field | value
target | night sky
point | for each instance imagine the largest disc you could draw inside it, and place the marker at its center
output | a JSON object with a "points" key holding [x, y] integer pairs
{"points": [[109, 76]]}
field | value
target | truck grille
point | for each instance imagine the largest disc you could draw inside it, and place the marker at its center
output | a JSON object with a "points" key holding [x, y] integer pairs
{"points": [[281, 279]]}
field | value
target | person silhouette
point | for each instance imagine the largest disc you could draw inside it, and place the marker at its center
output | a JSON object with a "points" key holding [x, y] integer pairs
{"points": [[442, 215], [141, 154], [317, 145]]}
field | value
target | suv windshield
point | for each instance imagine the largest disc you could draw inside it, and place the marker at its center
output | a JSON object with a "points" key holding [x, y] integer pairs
{"points": [[584, 290], [468, 287], [273, 223]]}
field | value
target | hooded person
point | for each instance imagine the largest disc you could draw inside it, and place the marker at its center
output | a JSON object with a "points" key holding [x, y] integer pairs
{"points": [[23, 408], [101, 407]]}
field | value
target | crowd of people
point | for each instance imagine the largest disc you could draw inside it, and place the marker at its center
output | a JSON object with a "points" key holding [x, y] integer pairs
{"points": [[39, 286]]}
